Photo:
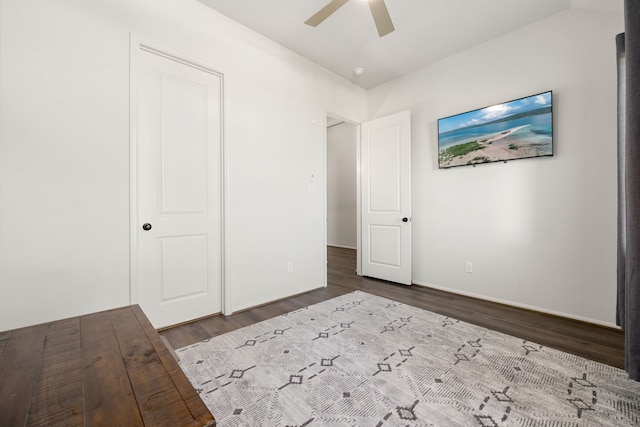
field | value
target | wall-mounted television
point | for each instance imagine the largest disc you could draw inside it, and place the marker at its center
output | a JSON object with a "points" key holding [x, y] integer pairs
{"points": [[517, 129]]}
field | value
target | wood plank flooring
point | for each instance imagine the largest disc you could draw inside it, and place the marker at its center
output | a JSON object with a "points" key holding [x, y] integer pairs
{"points": [[593, 342]]}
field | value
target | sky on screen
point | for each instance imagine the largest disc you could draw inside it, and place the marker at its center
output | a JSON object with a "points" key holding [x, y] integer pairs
{"points": [[494, 112]]}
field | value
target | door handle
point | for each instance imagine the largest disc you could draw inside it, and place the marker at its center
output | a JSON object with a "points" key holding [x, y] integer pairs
{"points": [[146, 226], [405, 219]]}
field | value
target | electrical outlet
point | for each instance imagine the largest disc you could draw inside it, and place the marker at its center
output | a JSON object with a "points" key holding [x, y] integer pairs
{"points": [[468, 267], [290, 267]]}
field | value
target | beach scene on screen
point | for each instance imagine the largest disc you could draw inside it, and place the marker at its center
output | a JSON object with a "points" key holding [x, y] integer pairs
{"points": [[512, 130]]}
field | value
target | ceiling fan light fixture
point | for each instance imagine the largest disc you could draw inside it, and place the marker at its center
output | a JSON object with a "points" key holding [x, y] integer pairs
{"points": [[378, 10]]}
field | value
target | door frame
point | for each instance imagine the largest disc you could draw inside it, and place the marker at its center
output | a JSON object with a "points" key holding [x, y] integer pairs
{"points": [[138, 44], [358, 201]]}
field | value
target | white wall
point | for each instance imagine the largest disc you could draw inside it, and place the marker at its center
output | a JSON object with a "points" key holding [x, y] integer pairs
{"points": [[541, 233], [64, 152], [341, 185]]}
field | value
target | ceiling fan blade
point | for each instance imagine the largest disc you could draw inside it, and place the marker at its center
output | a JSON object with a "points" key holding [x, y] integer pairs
{"points": [[325, 12], [381, 17]]}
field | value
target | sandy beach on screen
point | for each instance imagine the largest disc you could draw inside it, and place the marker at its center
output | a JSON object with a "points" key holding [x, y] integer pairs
{"points": [[496, 148], [500, 151]]}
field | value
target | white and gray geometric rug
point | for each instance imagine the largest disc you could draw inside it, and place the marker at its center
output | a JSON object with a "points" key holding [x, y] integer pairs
{"points": [[363, 360]]}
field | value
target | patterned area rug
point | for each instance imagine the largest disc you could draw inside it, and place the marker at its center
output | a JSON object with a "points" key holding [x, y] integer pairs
{"points": [[363, 360]]}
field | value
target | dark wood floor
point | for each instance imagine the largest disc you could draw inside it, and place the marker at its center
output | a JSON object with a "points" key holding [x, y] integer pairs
{"points": [[594, 342]]}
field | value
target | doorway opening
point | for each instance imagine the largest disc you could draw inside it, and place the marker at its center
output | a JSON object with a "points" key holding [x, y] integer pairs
{"points": [[342, 184]]}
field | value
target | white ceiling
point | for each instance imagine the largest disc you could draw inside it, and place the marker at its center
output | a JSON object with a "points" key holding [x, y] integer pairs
{"points": [[426, 30]]}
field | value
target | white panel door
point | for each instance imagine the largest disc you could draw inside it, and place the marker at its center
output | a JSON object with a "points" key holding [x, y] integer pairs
{"points": [[386, 198], [179, 192]]}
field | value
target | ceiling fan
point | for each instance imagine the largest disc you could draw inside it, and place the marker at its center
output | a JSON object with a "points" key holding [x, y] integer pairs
{"points": [[378, 10]]}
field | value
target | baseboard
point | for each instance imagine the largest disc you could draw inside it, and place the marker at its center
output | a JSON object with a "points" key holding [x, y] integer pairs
{"points": [[518, 305], [340, 246], [276, 300]]}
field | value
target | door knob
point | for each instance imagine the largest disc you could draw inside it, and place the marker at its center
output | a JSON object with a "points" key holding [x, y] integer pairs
{"points": [[146, 226], [405, 219]]}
